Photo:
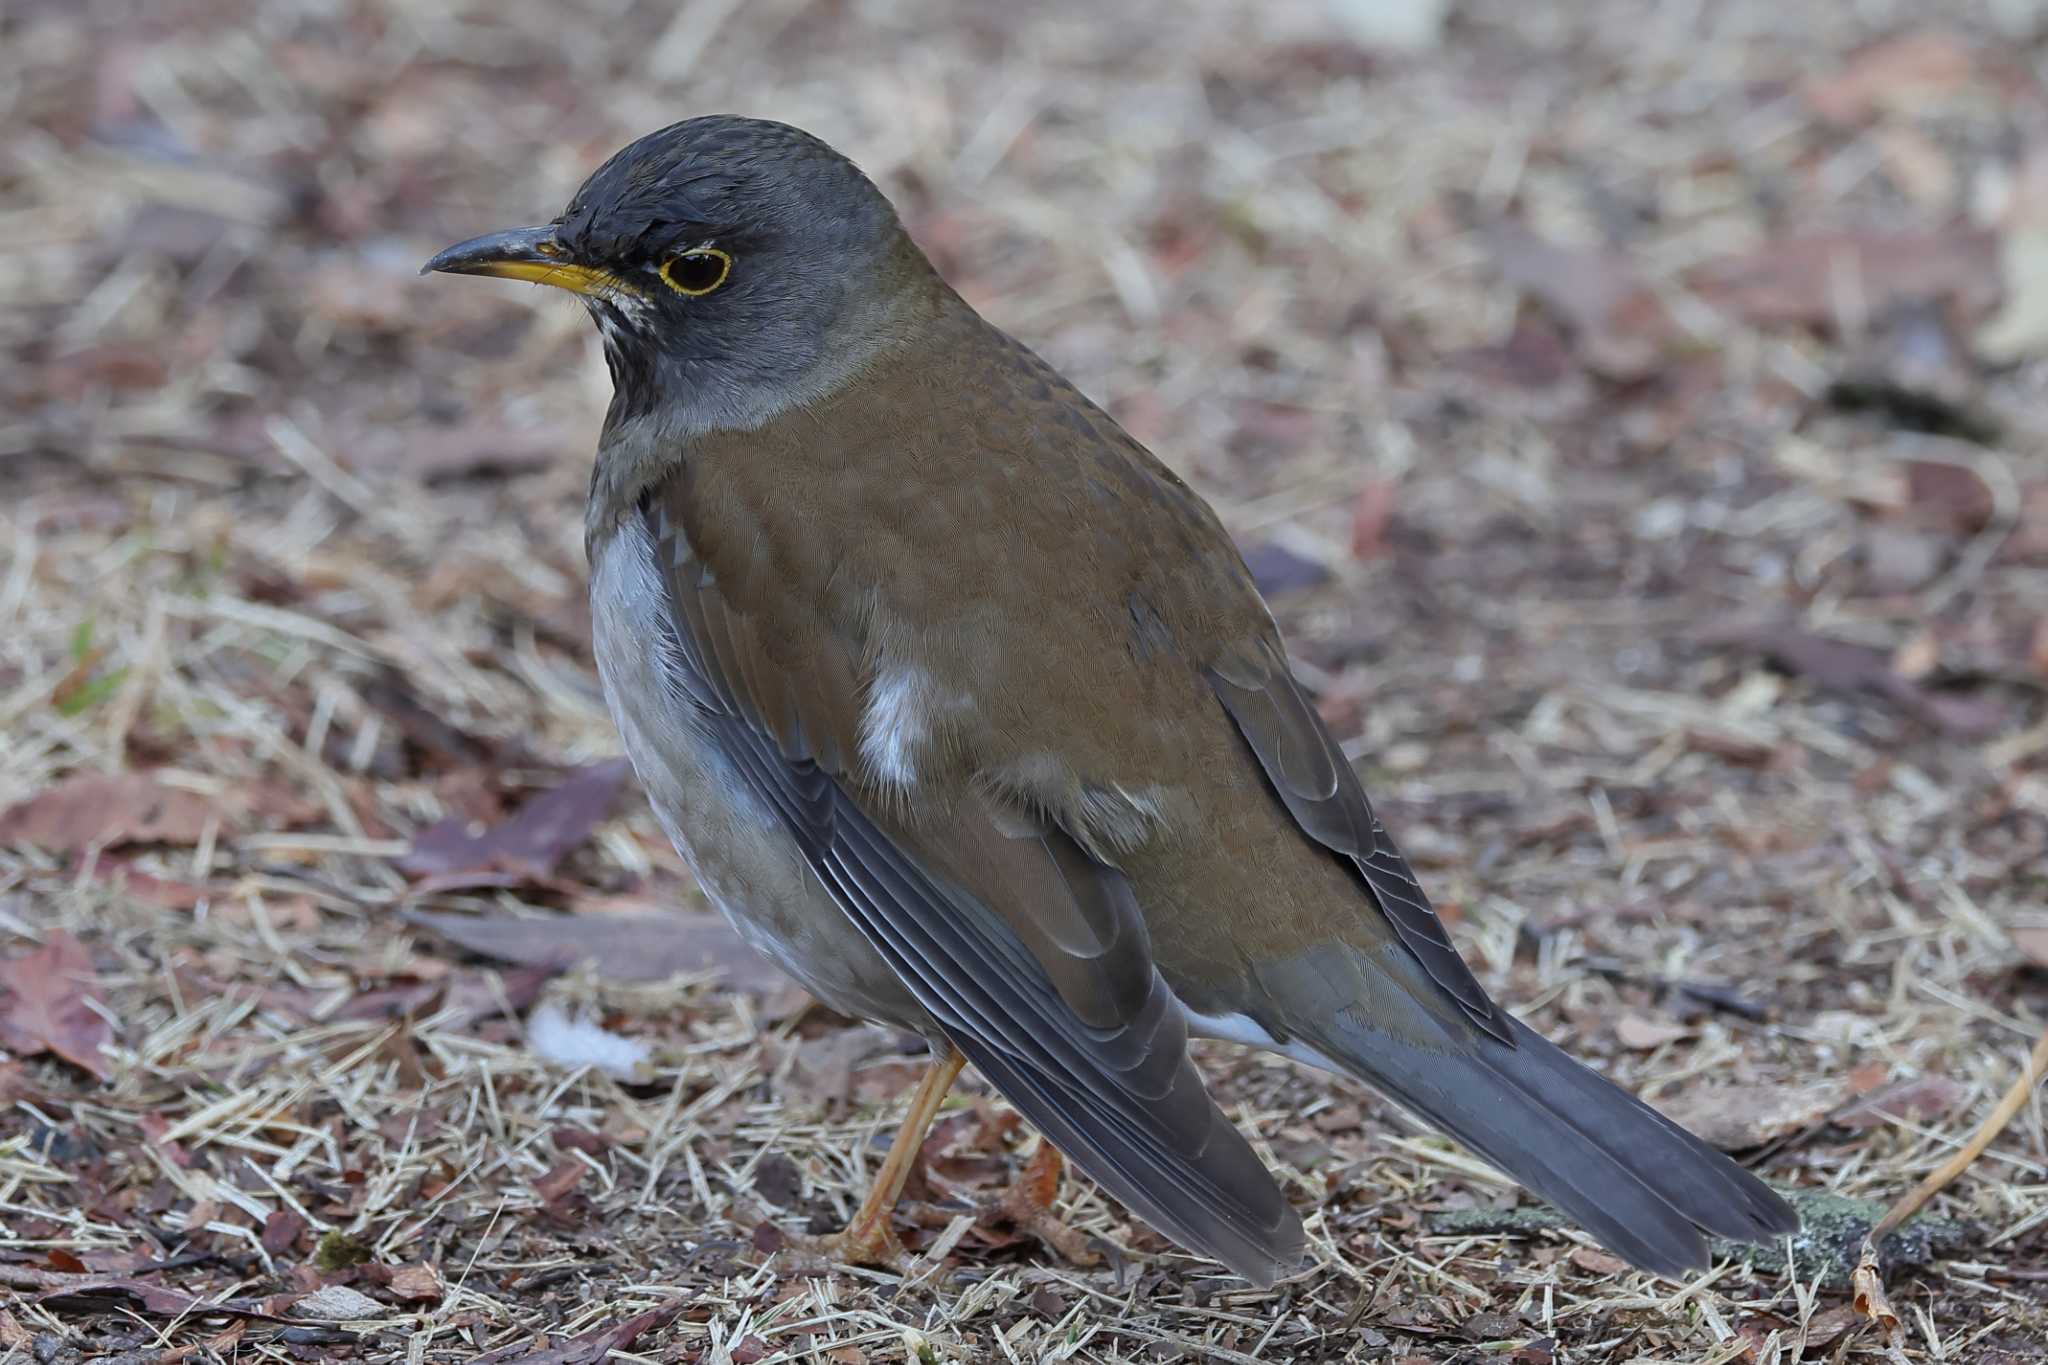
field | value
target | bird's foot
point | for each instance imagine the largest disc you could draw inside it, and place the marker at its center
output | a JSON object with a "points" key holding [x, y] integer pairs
{"points": [[1025, 1207], [866, 1241]]}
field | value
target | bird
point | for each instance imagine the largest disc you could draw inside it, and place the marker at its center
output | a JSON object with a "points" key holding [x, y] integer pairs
{"points": [[965, 710]]}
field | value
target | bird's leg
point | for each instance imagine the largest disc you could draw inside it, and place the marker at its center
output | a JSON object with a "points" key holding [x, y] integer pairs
{"points": [[868, 1239]]}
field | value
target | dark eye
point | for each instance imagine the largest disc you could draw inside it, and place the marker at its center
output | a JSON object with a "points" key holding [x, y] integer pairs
{"points": [[696, 271]]}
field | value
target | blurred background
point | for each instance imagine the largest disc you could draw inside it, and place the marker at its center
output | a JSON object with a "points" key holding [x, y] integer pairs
{"points": [[1634, 413]]}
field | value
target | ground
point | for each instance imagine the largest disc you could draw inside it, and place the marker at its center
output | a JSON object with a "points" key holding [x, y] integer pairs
{"points": [[1634, 413]]}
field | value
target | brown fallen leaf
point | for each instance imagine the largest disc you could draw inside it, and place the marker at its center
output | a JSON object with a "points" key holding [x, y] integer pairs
{"points": [[1948, 497], [1757, 1333], [1825, 1329], [1598, 1262], [1868, 1297], [822, 1073], [52, 1005], [623, 947], [107, 809], [561, 1178], [1372, 512], [1532, 356], [1808, 281], [1643, 1033], [1492, 1327], [444, 744], [1845, 666], [1737, 1117], [531, 842], [280, 1230], [90, 808], [419, 1283], [1899, 73], [2032, 941], [1620, 328], [474, 996], [1916, 1099], [591, 1347], [146, 1297]]}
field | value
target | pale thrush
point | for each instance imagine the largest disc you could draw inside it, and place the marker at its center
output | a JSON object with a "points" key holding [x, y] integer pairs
{"points": [[964, 709]]}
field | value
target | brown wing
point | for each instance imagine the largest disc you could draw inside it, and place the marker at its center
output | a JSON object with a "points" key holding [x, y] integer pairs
{"points": [[1313, 779], [1030, 954]]}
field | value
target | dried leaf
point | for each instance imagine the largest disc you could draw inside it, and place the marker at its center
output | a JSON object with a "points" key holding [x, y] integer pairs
{"points": [[2032, 941], [1619, 326], [533, 840], [1868, 1299], [280, 1230], [1533, 356], [1491, 1327], [644, 947], [1735, 1117], [51, 1008], [1810, 281], [1039, 1184], [90, 808], [109, 809], [591, 1347], [1371, 513], [1915, 1099], [1901, 73], [561, 1178], [479, 995], [822, 1074], [417, 1284], [1643, 1033], [1598, 1262], [1843, 666], [1824, 1329], [147, 1297]]}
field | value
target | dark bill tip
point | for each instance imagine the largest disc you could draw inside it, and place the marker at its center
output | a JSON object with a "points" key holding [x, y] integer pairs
{"points": [[531, 254], [489, 254]]}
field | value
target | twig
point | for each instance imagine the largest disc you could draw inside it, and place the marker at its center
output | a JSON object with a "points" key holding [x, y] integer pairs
{"points": [[1868, 1279], [2015, 1099]]}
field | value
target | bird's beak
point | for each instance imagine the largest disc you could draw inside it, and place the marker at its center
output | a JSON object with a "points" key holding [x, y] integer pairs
{"points": [[532, 254]]}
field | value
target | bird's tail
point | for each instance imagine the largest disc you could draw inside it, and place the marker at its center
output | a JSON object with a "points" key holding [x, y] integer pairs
{"points": [[1643, 1186]]}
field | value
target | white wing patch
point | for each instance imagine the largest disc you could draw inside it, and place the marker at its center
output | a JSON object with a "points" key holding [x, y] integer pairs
{"points": [[896, 723]]}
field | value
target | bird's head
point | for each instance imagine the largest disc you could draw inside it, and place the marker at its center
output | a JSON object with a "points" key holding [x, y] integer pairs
{"points": [[733, 266]]}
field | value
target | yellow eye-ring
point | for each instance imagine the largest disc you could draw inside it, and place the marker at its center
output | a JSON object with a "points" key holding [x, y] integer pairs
{"points": [[696, 272]]}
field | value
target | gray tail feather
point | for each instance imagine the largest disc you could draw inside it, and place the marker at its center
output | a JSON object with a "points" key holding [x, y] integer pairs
{"points": [[1642, 1185]]}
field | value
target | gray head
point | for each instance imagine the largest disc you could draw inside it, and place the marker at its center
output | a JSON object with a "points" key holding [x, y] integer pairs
{"points": [[733, 267]]}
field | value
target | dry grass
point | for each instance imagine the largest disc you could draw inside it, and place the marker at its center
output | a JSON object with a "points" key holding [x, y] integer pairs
{"points": [[300, 534]]}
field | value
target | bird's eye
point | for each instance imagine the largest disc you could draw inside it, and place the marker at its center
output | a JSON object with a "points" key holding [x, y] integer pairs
{"points": [[697, 271]]}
